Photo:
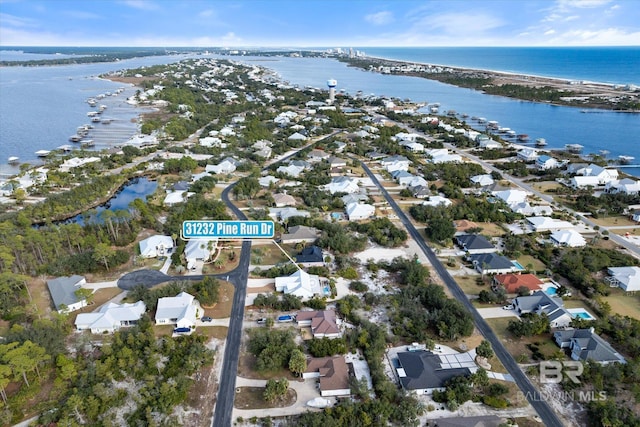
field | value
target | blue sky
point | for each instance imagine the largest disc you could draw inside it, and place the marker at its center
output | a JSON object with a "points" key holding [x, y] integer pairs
{"points": [[328, 23]]}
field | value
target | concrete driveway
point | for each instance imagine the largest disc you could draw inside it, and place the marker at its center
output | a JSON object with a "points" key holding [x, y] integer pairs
{"points": [[496, 312]]}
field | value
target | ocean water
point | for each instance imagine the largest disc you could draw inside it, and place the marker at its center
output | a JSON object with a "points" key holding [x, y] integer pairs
{"points": [[615, 65], [41, 107]]}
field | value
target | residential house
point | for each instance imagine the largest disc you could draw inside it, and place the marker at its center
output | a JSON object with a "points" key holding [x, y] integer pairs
{"points": [[424, 372], [513, 282], [624, 186], [300, 284], [110, 317], [635, 216], [626, 278], [265, 153], [176, 197], [359, 211], [318, 156], [342, 184], [527, 154], [181, 310], [414, 147], [199, 250], [228, 165], [420, 191], [376, 155], [155, 246], [337, 162], [300, 234], [491, 263], [474, 244], [475, 421], [266, 181], [546, 223], [437, 201], [585, 344], [63, 293], [354, 198], [545, 162], [488, 144], [282, 200], [542, 303], [311, 256], [333, 375], [592, 176], [511, 197], [526, 209], [442, 155], [394, 163], [482, 180], [294, 168], [323, 323], [569, 238], [283, 214], [297, 137]]}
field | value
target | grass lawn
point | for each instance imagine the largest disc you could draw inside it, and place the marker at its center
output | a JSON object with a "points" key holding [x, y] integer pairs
{"points": [[270, 254], [469, 286], [252, 398], [623, 303], [491, 229], [219, 332], [227, 265], [246, 369], [538, 265], [222, 309], [518, 346], [612, 221], [544, 187]]}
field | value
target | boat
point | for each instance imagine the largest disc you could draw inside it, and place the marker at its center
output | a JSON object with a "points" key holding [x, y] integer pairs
{"points": [[13, 160], [523, 137], [492, 125], [574, 148], [451, 113], [106, 121], [625, 160], [541, 142], [65, 148], [86, 143], [102, 107], [92, 113], [482, 120], [511, 133], [433, 109], [75, 138], [95, 119], [92, 102], [43, 153]]}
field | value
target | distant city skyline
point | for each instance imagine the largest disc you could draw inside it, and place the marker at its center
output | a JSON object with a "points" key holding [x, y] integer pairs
{"points": [[314, 23]]}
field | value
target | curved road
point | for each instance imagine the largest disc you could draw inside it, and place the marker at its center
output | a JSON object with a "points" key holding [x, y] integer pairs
{"points": [[549, 418]]}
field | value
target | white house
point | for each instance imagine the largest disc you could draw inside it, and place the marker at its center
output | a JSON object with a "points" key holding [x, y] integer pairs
{"points": [[545, 223], [297, 137], [266, 181], [176, 197], [545, 162], [593, 175], [441, 155], [181, 310], [300, 284], [282, 200], [570, 238], [283, 214], [511, 197], [155, 246], [359, 211], [527, 209], [414, 147], [342, 184], [625, 186], [199, 250], [626, 278], [394, 163], [227, 165], [63, 293], [482, 180], [110, 317], [527, 154], [437, 201]]}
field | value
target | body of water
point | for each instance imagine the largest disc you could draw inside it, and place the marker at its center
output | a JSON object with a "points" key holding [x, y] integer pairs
{"points": [[614, 65], [618, 133], [41, 107]]}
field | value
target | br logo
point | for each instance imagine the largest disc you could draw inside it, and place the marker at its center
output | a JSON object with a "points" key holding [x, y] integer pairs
{"points": [[553, 371]]}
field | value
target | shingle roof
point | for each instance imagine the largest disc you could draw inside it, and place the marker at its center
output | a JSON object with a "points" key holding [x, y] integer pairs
{"points": [[423, 370], [473, 241], [62, 290]]}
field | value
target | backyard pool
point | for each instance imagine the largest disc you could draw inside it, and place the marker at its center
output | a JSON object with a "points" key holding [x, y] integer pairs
{"points": [[551, 290], [518, 265], [580, 313]]}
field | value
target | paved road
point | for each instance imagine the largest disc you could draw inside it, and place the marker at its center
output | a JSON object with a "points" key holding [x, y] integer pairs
{"points": [[549, 418]]}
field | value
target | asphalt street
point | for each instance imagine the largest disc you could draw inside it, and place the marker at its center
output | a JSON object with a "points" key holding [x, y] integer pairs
{"points": [[549, 418]]}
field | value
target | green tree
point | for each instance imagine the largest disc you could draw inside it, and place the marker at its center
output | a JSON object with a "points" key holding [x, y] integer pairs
{"points": [[297, 362], [275, 390], [101, 253], [484, 349]]}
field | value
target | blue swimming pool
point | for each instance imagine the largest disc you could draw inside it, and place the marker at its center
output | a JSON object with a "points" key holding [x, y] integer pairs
{"points": [[518, 265], [580, 313], [551, 290]]}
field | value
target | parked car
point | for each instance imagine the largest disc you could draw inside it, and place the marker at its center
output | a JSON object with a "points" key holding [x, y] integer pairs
{"points": [[181, 330], [262, 320], [507, 307], [206, 319]]}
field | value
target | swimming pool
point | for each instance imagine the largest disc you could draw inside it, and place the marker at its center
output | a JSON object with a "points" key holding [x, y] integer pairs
{"points": [[580, 313], [551, 290], [518, 265]]}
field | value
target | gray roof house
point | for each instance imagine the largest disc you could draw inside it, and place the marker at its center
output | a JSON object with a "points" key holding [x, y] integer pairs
{"points": [[542, 303], [491, 263], [475, 244], [475, 421], [300, 233], [63, 292], [585, 344], [423, 371]]}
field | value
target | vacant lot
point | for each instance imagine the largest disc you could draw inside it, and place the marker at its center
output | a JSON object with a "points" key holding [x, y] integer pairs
{"points": [[469, 285], [529, 262], [518, 347], [612, 221], [623, 303], [222, 309], [544, 187], [491, 229], [251, 398]]}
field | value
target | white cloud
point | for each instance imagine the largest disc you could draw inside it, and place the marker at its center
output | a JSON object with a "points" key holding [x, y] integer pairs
{"points": [[206, 13], [460, 24], [582, 4], [15, 21], [379, 18], [140, 4], [549, 32]]}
